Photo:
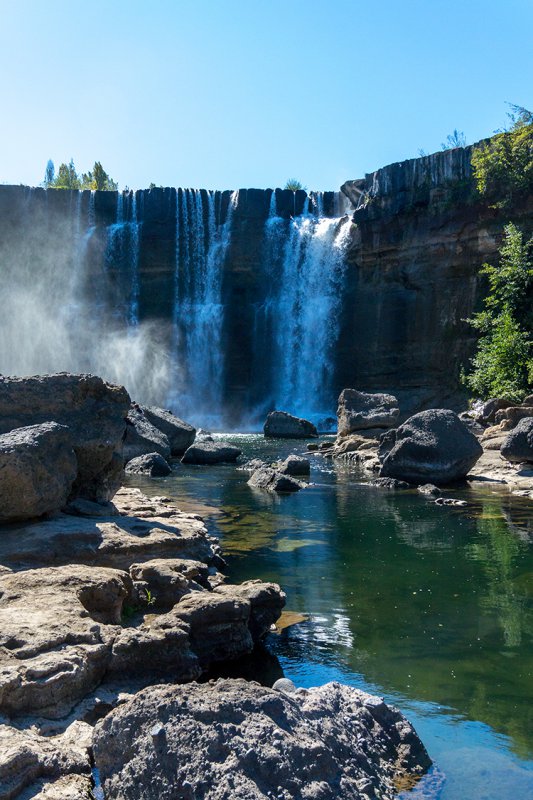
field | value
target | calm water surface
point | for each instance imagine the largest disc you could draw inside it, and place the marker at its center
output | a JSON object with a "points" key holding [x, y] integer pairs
{"points": [[428, 606]]}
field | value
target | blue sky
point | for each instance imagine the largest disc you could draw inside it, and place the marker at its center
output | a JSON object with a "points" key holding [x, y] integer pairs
{"points": [[237, 93]]}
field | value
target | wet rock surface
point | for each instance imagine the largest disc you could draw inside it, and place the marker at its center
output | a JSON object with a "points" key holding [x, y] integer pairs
{"points": [[295, 465], [281, 425], [234, 739], [273, 481], [211, 452], [431, 446]]}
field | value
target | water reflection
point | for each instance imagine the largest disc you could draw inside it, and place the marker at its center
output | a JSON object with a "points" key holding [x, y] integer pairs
{"points": [[429, 605]]}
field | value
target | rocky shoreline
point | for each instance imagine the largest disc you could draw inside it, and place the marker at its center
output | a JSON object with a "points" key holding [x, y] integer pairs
{"points": [[105, 592]]}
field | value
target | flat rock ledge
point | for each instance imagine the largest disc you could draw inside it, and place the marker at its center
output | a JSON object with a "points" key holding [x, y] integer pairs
{"points": [[234, 739], [85, 602]]}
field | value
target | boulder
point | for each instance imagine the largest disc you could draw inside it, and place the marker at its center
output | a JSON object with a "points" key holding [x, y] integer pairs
{"points": [[93, 410], [211, 452], [268, 478], [142, 437], [391, 483], [518, 446], [361, 411], [429, 489], [165, 581], [511, 416], [180, 434], [281, 425], [38, 468], [295, 465], [486, 412], [432, 446], [235, 739], [151, 464]]}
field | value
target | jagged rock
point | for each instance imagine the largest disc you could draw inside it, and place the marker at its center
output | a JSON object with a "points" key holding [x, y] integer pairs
{"points": [[180, 434], [295, 465], [281, 425], [361, 410], [391, 483], [266, 602], [518, 446], [252, 465], [94, 412], [50, 764], [268, 478], [431, 446], [487, 412], [151, 464], [211, 452], [37, 470], [513, 414], [234, 739], [142, 437], [147, 529], [429, 488]]}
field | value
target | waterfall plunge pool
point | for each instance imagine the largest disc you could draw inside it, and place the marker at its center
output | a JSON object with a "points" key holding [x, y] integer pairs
{"points": [[429, 606]]}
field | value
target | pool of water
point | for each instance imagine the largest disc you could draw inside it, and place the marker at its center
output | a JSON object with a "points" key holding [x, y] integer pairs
{"points": [[429, 606]]}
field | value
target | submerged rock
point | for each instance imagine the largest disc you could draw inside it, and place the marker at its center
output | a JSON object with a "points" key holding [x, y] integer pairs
{"points": [[362, 410], [92, 409], [281, 425], [274, 481], [38, 468], [518, 445], [431, 446], [234, 739], [142, 437], [429, 488], [211, 452], [180, 434], [391, 483], [151, 464]]}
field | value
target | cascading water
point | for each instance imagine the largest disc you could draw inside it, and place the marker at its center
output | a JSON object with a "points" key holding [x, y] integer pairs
{"points": [[201, 247], [122, 258], [305, 260]]}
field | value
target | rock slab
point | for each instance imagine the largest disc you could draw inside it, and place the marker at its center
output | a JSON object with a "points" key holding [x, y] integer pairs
{"points": [[362, 411], [179, 433], [432, 446], [38, 467], [518, 445], [281, 425], [211, 452], [238, 740]]}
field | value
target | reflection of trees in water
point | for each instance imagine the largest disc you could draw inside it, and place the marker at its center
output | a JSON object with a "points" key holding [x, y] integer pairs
{"points": [[499, 552]]}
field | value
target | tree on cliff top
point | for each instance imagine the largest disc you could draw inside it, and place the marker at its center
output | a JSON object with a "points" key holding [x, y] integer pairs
{"points": [[455, 139], [98, 179], [294, 186], [49, 174], [503, 364], [503, 165], [68, 178]]}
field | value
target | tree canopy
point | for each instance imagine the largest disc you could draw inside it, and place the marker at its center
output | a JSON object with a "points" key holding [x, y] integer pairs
{"points": [[294, 185], [503, 364], [68, 178]]}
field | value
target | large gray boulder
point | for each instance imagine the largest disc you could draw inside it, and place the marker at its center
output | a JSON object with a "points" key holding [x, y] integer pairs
{"points": [[94, 411], [235, 739], [518, 446], [151, 464], [142, 437], [273, 481], [211, 452], [432, 446], [38, 467], [281, 425], [180, 434], [295, 465], [362, 411]]}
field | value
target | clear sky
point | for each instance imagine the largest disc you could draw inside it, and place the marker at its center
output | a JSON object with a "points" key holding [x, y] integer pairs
{"points": [[238, 93]]}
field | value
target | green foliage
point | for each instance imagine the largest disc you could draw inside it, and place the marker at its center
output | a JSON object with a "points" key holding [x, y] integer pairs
{"points": [[294, 186], [503, 364], [503, 165], [455, 139], [68, 178]]}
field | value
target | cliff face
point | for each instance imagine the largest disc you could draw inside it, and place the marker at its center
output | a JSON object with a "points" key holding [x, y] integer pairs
{"points": [[104, 262], [421, 238]]}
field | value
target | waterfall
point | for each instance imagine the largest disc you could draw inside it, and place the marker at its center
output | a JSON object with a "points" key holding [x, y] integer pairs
{"points": [[122, 259], [306, 267], [201, 247]]}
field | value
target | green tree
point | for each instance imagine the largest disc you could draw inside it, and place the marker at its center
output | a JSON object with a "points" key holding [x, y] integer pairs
{"points": [[98, 179], [67, 177], [503, 364], [49, 174], [455, 139], [503, 165], [294, 186]]}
